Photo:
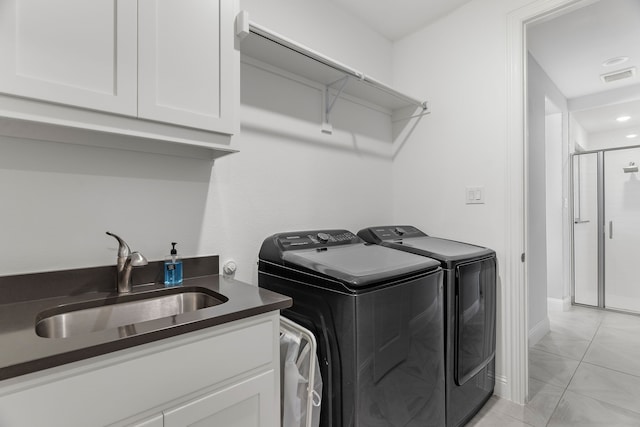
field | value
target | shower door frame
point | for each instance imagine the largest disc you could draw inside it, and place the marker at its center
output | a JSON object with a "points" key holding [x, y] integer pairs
{"points": [[600, 226]]}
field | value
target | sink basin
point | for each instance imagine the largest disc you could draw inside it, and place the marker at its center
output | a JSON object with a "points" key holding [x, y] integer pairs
{"points": [[123, 312]]}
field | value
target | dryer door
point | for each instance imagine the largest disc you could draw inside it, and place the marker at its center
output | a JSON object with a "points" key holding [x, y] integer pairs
{"points": [[475, 317]]}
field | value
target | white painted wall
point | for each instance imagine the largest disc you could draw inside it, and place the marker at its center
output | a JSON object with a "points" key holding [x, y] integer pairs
{"points": [[579, 138], [548, 267], [537, 206], [59, 199], [290, 176], [459, 64], [554, 203], [613, 139]]}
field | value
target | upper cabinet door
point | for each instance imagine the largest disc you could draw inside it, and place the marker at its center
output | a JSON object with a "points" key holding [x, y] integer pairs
{"points": [[187, 72], [74, 52]]}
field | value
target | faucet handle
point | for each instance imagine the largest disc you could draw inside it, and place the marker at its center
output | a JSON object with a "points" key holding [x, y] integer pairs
{"points": [[138, 260], [123, 248]]}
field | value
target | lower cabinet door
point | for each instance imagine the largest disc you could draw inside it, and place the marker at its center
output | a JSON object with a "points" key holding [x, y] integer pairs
{"points": [[249, 403]]}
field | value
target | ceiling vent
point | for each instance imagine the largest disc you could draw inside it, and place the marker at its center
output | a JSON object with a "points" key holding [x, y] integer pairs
{"points": [[618, 75]]}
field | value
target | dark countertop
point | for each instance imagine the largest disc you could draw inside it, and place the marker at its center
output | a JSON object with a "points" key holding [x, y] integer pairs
{"points": [[23, 351]]}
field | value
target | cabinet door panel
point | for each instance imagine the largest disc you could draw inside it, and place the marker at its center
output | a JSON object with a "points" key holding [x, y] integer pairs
{"points": [[250, 403], [186, 51], [71, 52]]}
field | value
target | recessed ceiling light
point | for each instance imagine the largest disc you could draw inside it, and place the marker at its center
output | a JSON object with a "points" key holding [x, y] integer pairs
{"points": [[623, 118], [632, 135], [615, 61]]}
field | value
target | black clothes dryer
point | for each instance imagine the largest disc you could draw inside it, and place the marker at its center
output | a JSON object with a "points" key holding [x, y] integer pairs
{"points": [[469, 314], [377, 316]]}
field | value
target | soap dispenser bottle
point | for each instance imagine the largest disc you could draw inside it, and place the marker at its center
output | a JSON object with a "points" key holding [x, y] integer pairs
{"points": [[173, 268]]}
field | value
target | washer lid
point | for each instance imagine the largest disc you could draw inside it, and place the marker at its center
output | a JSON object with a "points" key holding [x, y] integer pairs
{"points": [[359, 265]]}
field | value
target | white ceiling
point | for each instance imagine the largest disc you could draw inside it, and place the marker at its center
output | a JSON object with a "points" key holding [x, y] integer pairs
{"points": [[572, 47], [395, 19]]}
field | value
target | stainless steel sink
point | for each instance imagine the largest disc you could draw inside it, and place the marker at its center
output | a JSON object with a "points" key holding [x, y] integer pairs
{"points": [[123, 312]]}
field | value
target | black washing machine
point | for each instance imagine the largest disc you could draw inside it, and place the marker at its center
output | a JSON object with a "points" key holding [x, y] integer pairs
{"points": [[469, 314], [377, 316]]}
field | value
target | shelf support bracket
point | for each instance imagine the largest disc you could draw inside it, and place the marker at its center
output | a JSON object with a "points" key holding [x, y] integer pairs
{"points": [[329, 103], [242, 24]]}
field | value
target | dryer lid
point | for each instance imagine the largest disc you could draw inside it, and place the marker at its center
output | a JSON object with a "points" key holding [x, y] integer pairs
{"points": [[409, 239], [449, 252], [359, 265], [446, 248]]}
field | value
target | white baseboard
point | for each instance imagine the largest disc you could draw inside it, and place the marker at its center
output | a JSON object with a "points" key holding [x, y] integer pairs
{"points": [[501, 388], [558, 304], [538, 331]]}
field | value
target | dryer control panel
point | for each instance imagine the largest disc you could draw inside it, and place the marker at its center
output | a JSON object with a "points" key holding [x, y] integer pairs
{"points": [[392, 232], [315, 239]]}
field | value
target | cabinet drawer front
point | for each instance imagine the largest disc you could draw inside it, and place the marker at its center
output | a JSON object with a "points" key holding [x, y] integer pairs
{"points": [[71, 52]]}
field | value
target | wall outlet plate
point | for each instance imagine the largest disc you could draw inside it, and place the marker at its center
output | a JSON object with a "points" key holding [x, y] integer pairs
{"points": [[474, 195]]}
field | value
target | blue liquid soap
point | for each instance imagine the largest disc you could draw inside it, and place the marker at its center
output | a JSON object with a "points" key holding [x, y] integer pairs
{"points": [[173, 268]]}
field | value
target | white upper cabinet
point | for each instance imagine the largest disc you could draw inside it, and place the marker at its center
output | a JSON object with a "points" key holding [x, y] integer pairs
{"points": [[74, 52], [146, 70], [182, 69]]}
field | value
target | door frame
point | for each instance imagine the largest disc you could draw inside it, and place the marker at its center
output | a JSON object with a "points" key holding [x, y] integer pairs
{"points": [[515, 301]]}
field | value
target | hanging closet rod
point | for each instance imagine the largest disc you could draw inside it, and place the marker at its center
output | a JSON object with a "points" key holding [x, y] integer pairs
{"points": [[316, 56]]}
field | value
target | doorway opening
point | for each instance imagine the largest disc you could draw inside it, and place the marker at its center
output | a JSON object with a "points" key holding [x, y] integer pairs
{"points": [[554, 277]]}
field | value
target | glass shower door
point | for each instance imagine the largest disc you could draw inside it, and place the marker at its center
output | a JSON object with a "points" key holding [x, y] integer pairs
{"points": [[585, 229], [622, 229]]}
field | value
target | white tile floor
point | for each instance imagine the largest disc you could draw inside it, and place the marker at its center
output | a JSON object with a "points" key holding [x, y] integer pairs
{"points": [[584, 372]]}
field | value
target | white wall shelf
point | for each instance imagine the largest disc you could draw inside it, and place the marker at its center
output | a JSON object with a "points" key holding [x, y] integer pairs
{"points": [[276, 50]]}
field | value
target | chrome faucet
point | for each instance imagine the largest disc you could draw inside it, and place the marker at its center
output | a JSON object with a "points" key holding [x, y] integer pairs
{"points": [[126, 261]]}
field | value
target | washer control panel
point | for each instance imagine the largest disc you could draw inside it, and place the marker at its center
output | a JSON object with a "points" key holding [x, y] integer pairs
{"points": [[390, 232], [316, 239]]}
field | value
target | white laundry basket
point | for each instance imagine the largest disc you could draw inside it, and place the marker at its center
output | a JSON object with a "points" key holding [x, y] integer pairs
{"points": [[301, 383]]}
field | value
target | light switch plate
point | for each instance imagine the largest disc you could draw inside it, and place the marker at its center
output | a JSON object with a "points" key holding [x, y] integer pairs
{"points": [[474, 195]]}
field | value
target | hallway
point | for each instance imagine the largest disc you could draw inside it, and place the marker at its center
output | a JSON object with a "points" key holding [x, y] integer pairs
{"points": [[584, 372]]}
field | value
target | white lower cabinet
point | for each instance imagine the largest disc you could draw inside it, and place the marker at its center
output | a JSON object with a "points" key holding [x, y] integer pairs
{"points": [[221, 376], [249, 403]]}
